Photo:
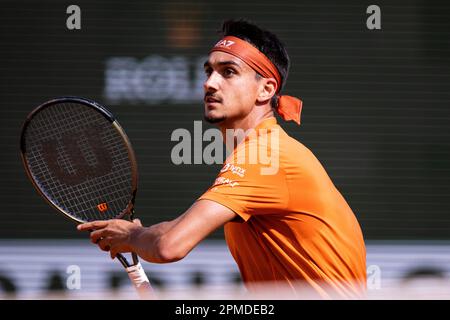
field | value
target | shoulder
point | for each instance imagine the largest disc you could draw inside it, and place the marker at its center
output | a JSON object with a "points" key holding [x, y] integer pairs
{"points": [[291, 148]]}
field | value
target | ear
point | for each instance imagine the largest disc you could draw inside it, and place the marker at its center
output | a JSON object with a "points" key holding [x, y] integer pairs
{"points": [[267, 89]]}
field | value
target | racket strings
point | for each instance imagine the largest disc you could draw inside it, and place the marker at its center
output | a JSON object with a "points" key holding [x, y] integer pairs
{"points": [[80, 161]]}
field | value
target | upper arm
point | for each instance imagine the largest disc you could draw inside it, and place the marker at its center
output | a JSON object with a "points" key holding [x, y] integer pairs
{"points": [[202, 218]]}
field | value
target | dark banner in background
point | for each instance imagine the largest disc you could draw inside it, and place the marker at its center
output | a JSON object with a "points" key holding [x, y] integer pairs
{"points": [[376, 101]]}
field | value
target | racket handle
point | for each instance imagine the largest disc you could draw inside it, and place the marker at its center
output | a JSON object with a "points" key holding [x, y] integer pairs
{"points": [[123, 260], [140, 281]]}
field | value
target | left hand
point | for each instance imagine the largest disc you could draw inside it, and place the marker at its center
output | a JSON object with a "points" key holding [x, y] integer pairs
{"points": [[115, 236]]}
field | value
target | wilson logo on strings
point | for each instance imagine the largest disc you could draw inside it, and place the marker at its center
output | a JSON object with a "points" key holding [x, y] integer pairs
{"points": [[102, 207]]}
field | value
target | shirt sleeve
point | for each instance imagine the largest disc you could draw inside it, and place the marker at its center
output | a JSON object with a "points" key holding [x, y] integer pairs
{"points": [[248, 190]]}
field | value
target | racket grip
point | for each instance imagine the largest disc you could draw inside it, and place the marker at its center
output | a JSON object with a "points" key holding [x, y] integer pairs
{"points": [[140, 281]]}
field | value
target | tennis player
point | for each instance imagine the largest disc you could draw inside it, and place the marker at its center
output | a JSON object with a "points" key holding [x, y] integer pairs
{"points": [[285, 224]]}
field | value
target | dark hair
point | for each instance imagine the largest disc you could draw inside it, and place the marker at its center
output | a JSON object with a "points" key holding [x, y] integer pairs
{"points": [[265, 41]]}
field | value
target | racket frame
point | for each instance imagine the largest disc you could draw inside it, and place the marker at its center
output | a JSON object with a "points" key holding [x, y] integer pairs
{"points": [[108, 115], [129, 210]]}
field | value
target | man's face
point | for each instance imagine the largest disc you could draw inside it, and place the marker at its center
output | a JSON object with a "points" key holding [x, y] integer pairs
{"points": [[230, 88]]}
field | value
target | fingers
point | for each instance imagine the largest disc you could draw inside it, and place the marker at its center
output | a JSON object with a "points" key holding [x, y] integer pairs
{"points": [[138, 222], [110, 235], [104, 244], [92, 225], [97, 235], [113, 252]]}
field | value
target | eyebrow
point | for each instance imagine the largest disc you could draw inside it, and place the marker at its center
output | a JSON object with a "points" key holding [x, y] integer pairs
{"points": [[222, 63]]}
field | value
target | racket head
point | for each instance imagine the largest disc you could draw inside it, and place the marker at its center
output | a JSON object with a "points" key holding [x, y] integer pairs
{"points": [[79, 159]]}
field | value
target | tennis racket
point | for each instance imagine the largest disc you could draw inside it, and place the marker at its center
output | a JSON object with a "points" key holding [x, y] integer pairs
{"points": [[81, 161]]}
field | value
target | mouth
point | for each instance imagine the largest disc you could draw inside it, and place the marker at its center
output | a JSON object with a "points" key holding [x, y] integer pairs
{"points": [[210, 100]]}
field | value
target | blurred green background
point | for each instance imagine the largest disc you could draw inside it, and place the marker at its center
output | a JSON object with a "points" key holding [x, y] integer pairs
{"points": [[376, 102]]}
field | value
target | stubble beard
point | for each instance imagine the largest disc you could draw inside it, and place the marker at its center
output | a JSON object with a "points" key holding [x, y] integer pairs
{"points": [[213, 120]]}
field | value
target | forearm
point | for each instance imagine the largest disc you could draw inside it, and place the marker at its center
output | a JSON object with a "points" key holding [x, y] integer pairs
{"points": [[173, 240], [147, 242]]}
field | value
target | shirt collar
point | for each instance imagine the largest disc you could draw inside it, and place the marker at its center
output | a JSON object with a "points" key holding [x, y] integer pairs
{"points": [[266, 123]]}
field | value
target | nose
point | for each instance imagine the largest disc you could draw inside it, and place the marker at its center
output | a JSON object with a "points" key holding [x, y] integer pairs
{"points": [[211, 84]]}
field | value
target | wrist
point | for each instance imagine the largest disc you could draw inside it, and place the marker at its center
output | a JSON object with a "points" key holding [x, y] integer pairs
{"points": [[135, 236]]}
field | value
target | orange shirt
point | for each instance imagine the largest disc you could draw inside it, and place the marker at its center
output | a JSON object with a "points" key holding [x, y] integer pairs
{"points": [[296, 226]]}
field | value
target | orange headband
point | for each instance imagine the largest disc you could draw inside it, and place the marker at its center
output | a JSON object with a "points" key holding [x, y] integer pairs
{"points": [[288, 107]]}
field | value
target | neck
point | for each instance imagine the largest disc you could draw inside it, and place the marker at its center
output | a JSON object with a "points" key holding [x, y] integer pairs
{"points": [[243, 125]]}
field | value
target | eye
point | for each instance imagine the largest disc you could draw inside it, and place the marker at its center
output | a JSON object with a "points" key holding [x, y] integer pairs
{"points": [[208, 71], [228, 72]]}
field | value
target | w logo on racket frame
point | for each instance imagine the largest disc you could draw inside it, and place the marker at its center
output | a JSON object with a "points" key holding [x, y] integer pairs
{"points": [[69, 146], [102, 207]]}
